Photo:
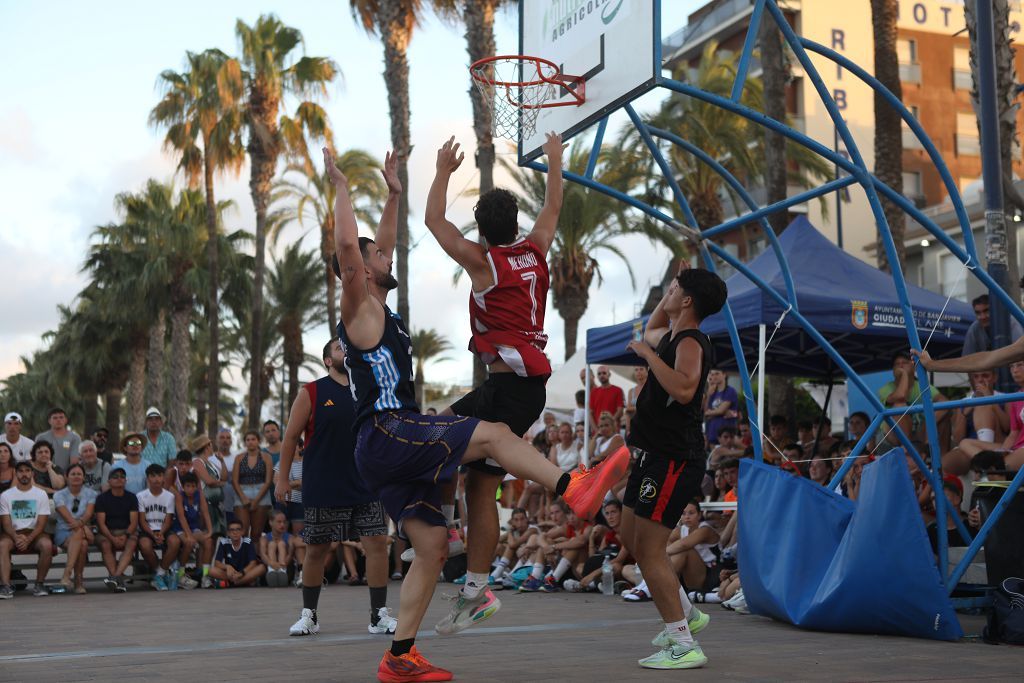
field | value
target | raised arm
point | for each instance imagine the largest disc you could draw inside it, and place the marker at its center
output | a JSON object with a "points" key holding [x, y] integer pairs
{"points": [[387, 230], [467, 253], [543, 233], [975, 362], [658, 323], [346, 243]]}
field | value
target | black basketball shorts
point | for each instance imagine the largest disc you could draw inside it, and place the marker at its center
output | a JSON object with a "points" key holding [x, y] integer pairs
{"points": [[659, 488]]}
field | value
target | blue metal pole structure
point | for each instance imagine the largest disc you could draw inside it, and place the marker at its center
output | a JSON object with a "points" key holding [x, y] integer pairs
{"points": [[734, 335], [991, 170], [748, 51], [595, 151], [734, 183], [890, 249], [862, 443], [959, 403]]}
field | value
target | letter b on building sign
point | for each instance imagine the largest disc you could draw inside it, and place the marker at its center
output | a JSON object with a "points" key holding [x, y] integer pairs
{"points": [[839, 95]]}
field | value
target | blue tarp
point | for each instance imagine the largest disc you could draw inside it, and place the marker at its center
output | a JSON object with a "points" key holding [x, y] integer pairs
{"points": [[820, 561], [851, 303]]}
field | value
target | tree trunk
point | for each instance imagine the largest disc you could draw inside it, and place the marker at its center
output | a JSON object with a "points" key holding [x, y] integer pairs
{"points": [[136, 389], [155, 362], [201, 393], [1006, 81], [420, 386], [263, 153], [479, 18], [888, 125], [213, 311], [112, 403], [392, 23], [774, 77], [90, 413], [181, 347]]}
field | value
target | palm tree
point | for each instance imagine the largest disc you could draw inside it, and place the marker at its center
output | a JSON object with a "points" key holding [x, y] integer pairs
{"points": [[888, 124], [298, 305], [427, 345], [311, 195], [394, 21], [272, 72], [590, 222], [199, 106]]}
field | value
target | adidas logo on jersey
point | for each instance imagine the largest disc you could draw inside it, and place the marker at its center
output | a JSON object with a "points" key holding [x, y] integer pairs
{"points": [[328, 402]]}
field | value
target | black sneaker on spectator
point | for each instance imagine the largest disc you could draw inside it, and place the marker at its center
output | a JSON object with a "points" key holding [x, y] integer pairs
{"points": [[39, 590], [122, 586], [111, 583], [6, 592]]}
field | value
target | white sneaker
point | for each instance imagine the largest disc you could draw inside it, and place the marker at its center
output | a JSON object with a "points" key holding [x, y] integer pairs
{"points": [[187, 582], [455, 546], [408, 555], [573, 586], [385, 622], [207, 582], [298, 579], [306, 625]]}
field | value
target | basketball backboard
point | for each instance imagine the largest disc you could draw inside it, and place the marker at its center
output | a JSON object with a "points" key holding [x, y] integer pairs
{"points": [[614, 44]]}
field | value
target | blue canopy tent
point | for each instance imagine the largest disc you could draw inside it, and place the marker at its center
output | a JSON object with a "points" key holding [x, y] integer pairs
{"points": [[852, 304]]}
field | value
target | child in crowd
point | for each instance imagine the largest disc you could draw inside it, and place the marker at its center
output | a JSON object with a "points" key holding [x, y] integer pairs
{"points": [[193, 526], [156, 515], [236, 563], [277, 548]]}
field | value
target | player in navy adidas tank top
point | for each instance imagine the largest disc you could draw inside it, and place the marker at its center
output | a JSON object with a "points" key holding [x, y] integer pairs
{"points": [[506, 311], [405, 457], [666, 431]]}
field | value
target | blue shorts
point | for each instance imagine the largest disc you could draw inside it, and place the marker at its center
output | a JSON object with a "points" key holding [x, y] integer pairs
{"points": [[405, 457]]}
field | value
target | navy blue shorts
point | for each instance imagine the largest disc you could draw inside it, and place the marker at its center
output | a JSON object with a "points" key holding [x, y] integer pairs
{"points": [[405, 457]]}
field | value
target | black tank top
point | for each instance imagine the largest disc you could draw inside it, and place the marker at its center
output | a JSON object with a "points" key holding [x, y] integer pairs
{"points": [[381, 377], [329, 475], [662, 425]]}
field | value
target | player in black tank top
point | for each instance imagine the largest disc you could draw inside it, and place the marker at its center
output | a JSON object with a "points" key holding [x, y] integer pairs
{"points": [[666, 431]]}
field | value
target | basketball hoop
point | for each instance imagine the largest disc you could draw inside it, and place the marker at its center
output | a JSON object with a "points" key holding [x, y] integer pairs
{"points": [[517, 87]]}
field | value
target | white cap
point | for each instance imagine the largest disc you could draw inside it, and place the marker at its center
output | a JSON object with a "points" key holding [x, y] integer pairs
{"points": [[153, 412], [12, 417]]}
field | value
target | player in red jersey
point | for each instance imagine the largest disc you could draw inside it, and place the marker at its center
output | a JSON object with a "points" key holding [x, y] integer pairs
{"points": [[506, 308]]}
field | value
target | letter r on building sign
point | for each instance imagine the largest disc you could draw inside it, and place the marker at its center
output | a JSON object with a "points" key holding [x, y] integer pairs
{"points": [[838, 39]]}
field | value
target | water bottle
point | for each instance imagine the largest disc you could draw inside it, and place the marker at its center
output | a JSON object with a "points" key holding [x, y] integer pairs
{"points": [[607, 577]]}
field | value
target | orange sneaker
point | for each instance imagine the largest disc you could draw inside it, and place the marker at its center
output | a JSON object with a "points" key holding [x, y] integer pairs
{"points": [[588, 486], [409, 667]]}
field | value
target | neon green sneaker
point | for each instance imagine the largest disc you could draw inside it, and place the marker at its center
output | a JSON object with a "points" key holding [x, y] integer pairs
{"points": [[675, 656], [697, 622]]}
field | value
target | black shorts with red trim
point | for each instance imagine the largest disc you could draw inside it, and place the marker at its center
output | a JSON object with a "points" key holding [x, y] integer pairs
{"points": [[659, 487]]}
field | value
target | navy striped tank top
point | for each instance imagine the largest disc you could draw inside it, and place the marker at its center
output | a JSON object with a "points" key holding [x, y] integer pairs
{"points": [[329, 475], [381, 377]]}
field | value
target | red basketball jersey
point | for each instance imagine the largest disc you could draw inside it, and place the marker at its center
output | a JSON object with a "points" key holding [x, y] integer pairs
{"points": [[507, 318]]}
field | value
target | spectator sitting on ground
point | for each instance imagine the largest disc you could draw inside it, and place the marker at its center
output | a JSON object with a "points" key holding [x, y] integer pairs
{"points": [[606, 441], [7, 463], [277, 548], [805, 434], [117, 522], [96, 471], [540, 439], [565, 453], [743, 438], [731, 473], [778, 434], [534, 495], [958, 460], [133, 465], [728, 447], [19, 443], [905, 391], [512, 544], [953, 489], [236, 563], [48, 477], [63, 442], [75, 506], [640, 377], [159, 445], [24, 511], [858, 425], [606, 397], [99, 436], [820, 470], [604, 542], [791, 453], [193, 526], [156, 514], [572, 547], [980, 424]]}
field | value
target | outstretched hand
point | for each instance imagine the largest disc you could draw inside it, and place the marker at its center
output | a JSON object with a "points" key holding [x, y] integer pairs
{"points": [[922, 357], [640, 348], [333, 172], [448, 157], [553, 148], [390, 173]]}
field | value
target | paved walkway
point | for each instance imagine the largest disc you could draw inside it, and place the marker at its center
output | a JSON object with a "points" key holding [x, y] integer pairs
{"points": [[239, 634]]}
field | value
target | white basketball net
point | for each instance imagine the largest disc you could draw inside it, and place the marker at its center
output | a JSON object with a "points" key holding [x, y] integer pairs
{"points": [[515, 89]]}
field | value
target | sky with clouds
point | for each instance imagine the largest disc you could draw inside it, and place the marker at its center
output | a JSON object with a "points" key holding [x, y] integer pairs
{"points": [[82, 78]]}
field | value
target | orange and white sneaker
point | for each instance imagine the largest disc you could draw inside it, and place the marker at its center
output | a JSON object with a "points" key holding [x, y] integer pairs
{"points": [[411, 666], [588, 486]]}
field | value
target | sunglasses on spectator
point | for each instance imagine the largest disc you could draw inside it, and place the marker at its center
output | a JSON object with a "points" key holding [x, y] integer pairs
{"points": [[134, 442], [74, 506]]}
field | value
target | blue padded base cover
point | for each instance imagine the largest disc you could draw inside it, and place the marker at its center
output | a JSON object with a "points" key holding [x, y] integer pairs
{"points": [[820, 561]]}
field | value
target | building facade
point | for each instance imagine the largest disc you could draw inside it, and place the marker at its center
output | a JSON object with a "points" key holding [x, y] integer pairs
{"points": [[935, 72]]}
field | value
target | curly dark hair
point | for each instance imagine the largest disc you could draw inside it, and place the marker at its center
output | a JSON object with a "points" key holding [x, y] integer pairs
{"points": [[497, 214], [707, 290]]}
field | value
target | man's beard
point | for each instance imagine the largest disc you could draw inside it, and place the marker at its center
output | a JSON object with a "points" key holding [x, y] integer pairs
{"points": [[386, 281]]}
